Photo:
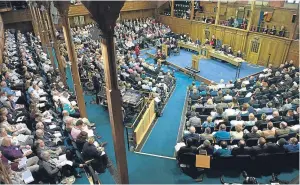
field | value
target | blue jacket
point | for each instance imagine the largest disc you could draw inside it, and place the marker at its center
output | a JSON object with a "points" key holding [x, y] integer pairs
{"points": [[292, 148], [222, 135], [223, 152]]}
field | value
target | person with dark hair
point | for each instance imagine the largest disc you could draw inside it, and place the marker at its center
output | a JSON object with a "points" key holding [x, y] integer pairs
{"points": [[276, 147], [223, 151], [77, 129], [207, 147], [188, 148], [242, 149], [81, 140], [261, 147]]}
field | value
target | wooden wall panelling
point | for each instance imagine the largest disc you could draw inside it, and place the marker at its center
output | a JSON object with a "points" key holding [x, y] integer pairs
{"points": [[76, 10], [293, 52], [16, 16], [138, 5], [1, 39]]}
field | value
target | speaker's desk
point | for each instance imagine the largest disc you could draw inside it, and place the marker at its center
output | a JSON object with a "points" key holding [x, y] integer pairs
{"points": [[236, 61]]}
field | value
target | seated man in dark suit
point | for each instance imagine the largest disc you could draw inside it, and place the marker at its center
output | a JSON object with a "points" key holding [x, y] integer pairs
{"points": [[242, 149], [206, 147], [261, 147], [276, 117], [276, 147], [192, 134], [252, 134], [189, 148]]}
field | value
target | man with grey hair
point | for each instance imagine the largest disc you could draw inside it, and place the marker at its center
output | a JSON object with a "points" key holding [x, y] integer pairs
{"points": [[282, 130], [191, 134], [276, 116], [50, 166], [252, 134]]}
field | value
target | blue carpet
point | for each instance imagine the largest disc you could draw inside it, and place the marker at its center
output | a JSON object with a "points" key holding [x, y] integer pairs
{"points": [[163, 136], [213, 69], [147, 169]]}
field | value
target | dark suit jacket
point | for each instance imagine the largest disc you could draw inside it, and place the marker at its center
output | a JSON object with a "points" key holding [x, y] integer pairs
{"points": [[186, 149], [274, 148], [259, 149], [241, 151], [276, 119], [251, 135]]}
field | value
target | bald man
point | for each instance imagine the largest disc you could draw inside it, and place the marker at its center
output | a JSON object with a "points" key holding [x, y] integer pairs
{"points": [[283, 129], [191, 134]]}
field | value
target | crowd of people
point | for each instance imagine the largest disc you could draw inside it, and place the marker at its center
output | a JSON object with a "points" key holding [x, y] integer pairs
{"points": [[257, 115], [134, 73], [39, 119]]}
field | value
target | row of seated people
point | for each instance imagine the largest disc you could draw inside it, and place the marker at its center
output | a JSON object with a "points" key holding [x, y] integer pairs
{"points": [[32, 136], [134, 73], [226, 149], [220, 114]]}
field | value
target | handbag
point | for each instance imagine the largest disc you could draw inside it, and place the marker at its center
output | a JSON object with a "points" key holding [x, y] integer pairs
{"points": [[203, 161]]}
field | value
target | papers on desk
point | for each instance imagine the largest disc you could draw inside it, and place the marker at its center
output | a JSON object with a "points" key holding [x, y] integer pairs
{"points": [[20, 119], [90, 133], [15, 99], [62, 161], [18, 93], [24, 150], [27, 177], [22, 163], [52, 126], [269, 117], [249, 94], [57, 135], [19, 106], [47, 120], [22, 138], [41, 105], [43, 99]]}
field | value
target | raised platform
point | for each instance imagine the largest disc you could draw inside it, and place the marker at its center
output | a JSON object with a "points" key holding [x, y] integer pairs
{"points": [[210, 70]]}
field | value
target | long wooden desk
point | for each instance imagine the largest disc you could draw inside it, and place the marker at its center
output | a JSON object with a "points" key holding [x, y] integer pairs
{"points": [[190, 46], [202, 50], [230, 59]]}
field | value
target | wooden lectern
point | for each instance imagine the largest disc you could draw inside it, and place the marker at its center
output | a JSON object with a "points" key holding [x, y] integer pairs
{"points": [[195, 62], [164, 50]]}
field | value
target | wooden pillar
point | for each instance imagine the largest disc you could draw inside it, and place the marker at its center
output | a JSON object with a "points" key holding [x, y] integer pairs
{"points": [[38, 18], [251, 15], [218, 12], [114, 104], [172, 7], [61, 66], [74, 65], [105, 14], [33, 21], [192, 9], [47, 35]]}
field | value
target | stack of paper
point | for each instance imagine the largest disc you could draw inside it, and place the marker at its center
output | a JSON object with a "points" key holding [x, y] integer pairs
{"points": [[62, 161], [27, 177], [22, 138], [18, 93], [22, 163]]}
